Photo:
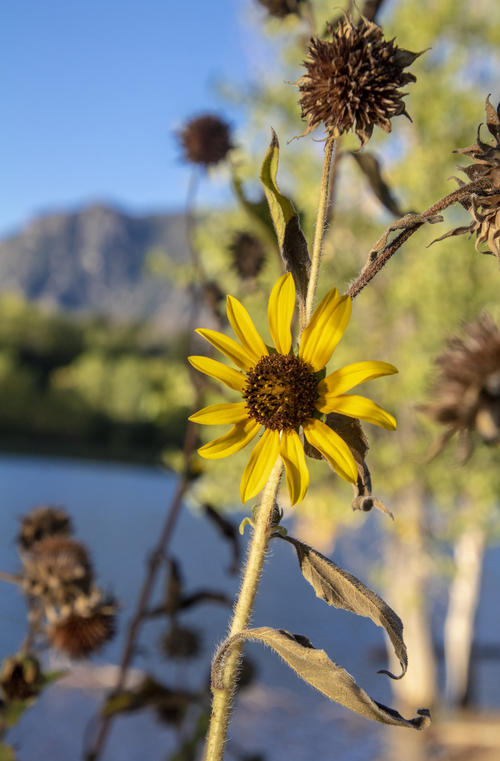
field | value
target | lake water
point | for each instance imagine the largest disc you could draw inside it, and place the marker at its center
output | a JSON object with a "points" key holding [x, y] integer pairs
{"points": [[118, 511]]}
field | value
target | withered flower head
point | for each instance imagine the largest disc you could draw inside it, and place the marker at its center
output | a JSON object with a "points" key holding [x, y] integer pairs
{"points": [[42, 522], [354, 80], [481, 197], [281, 8], [181, 642], [20, 677], [206, 140], [466, 393], [248, 255], [57, 569], [83, 630]]}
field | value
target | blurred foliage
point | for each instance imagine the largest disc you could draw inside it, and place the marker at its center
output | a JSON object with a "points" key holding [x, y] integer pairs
{"points": [[88, 387]]}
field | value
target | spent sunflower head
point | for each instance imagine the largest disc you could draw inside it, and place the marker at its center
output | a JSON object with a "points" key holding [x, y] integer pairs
{"points": [[466, 392], [281, 8], [206, 140], [285, 392], [481, 196], [353, 80]]}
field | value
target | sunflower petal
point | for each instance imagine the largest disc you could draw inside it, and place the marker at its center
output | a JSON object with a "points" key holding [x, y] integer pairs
{"points": [[237, 438], [332, 447], [280, 312], [243, 326], [297, 474], [347, 377], [260, 464], [364, 409], [228, 346], [220, 414], [228, 375], [325, 329]]}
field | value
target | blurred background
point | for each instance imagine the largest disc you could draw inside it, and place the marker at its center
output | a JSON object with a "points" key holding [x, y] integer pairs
{"points": [[108, 236]]}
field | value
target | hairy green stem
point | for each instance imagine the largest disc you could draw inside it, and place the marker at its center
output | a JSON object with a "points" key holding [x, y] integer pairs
{"points": [[321, 223], [222, 698]]}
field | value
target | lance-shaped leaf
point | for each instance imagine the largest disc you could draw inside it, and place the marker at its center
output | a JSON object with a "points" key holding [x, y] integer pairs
{"points": [[316, 668], [341, 589], [292, 244]]}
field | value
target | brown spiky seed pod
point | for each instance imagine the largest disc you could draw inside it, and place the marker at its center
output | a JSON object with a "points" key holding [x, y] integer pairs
{"points": [[206, 140], [248, 255], [20, 677], [84, 630], [481, 196], [354, 80], [282, 8], [466, 393], [57, 569], [181, 642], [41, 522]]}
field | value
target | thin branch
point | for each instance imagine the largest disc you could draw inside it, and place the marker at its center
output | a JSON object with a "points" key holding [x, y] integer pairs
{"points": [[380, 253]]}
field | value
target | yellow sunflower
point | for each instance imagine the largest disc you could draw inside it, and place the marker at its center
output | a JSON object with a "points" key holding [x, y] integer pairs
{"points": [[284, 392]]}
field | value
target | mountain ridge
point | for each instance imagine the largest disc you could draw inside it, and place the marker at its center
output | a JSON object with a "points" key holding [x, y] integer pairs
{"points": [[94, 260]]}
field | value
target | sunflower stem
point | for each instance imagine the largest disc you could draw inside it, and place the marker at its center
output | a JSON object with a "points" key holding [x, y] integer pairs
{"points": [[222, 698], [321, 225]]}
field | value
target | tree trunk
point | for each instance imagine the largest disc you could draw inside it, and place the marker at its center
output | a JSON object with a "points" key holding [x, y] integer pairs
{"points": [[461, 615], [408, 593]]}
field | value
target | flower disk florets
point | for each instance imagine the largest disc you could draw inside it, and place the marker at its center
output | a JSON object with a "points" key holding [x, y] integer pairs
{"points": [[354, 80], [281, 391]]}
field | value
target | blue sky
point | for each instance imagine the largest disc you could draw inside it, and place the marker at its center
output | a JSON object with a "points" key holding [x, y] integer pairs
{"points": [[93, 90]]}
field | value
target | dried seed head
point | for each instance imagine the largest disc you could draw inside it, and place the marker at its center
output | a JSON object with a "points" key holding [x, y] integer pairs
{"points": [[481, 196], [181, 642], [57, 569], [466, 393], [85, 629], [206, 140], [42, 522], [19, 677], [281, 8], [354, 80], [248, 255]]}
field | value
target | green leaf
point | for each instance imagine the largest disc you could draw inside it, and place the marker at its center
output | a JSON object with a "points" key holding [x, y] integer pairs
{"points": [[51, 676], [7, 753], [343, 590], [188, 751], [316, 668], [13, 710], [293, 245]]}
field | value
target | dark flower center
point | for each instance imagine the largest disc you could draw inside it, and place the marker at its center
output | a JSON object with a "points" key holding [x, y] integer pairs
{"points": [[281, 391]]}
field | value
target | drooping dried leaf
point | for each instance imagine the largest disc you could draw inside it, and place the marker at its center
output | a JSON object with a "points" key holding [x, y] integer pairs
{"points": [[371, 9], [316, 668], [292, 244], [351, 431], [229, 531], [341, 589], [370, 166]]}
